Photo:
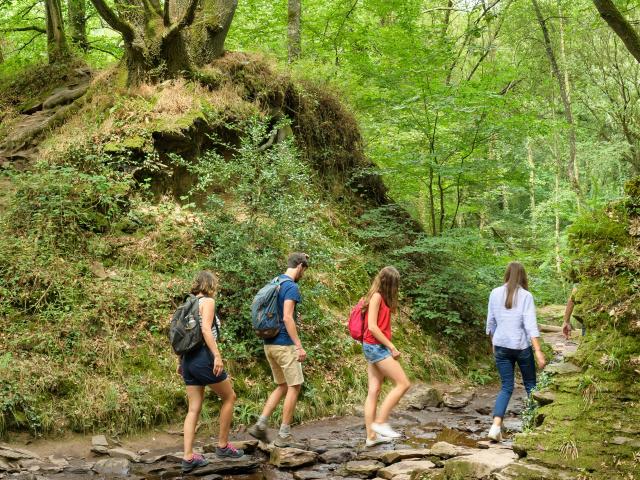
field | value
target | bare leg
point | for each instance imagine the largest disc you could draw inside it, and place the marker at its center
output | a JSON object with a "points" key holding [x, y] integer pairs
{"points": [[391, 368], [290, 403], [274, 399], [225, 391], [195, 396], [375, 383]]}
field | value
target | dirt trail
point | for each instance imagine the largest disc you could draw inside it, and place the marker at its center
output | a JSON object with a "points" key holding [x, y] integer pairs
{"points": [[461, 419]]}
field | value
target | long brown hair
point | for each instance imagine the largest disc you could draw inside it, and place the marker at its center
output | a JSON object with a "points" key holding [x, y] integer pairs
{"points": [[514, 277], [205, 283], [386, 284]]}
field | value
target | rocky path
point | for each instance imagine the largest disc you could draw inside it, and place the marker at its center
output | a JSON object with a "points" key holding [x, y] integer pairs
{"points": [[445, 437]]}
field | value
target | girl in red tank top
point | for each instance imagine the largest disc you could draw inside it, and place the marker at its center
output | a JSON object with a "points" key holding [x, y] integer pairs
{"points": [[382, 356]]}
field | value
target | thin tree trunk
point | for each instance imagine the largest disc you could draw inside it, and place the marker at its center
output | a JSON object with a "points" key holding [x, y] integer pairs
{"points": [[442, 212], [447, 18], [293, 29], [566, 101], [57, 47], [77, 16], [532, 184], [432, 208], [557, 215]]}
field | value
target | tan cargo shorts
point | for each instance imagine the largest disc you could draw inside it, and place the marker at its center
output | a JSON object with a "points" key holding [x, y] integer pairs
{"points": [[283, 360]]}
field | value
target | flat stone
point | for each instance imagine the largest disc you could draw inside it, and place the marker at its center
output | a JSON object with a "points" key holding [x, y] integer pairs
{"points": [[292, 457], [340, 455], [100, 450], [563, 368], [7, 466], [544, 397], [446, 450], [155, 459], [394, 456], [528, 471], [248, 446], [458, 400], [372, 454], [480, 464], [124, 453], [99, 441], [402, 477], [408, 467], [635, 443], [363, 467], [113, 466], [421, 396], [13, 453], [309, 475]]}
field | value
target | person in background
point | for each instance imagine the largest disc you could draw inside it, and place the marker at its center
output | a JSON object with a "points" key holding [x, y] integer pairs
{"points": [[204, 367], [568, 312], [382, 356], [512, 325], [285, 355]]}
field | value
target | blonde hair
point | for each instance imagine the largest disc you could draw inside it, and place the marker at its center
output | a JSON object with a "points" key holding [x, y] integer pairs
{"points": [[386, 283], [205, 283]]}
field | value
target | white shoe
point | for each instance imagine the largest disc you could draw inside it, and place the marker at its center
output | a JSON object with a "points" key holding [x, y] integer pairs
{"points": [[377, 441], [495, 433], [383, 429]]}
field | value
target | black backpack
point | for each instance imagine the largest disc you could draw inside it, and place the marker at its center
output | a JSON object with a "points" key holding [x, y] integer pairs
{"points": [[185, 332]]}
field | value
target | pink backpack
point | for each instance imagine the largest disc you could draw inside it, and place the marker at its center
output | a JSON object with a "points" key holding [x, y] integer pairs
{"points": [[356, 322]]}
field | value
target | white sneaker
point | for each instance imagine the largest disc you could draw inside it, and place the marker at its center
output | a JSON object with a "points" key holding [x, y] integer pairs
{"points": [[385, 430], [495, 433], [377, 441]]}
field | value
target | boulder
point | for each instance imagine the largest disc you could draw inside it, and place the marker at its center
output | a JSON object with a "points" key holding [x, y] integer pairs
{"points": [[394, 456], [340, 455], [421, 396], [13, 453], [446, 450], [113, 466], [544, 397], [292, 457], [528, 471], [563, 368], [480, 464], [100, 450], [124, 453], [99, 441], [408, 467], [458, 399], [634, 443], [7, 466], [366, 468]]}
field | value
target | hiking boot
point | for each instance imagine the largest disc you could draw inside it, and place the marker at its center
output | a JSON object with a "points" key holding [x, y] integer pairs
{"points": [[287, 441], [377, 441], [229, 452], [258, 432], [495, 433], [385, 430], [196, 461]]}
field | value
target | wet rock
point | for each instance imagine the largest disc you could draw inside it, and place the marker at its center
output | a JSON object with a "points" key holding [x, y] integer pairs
{"points": [[229, 466], [309, 475], [407, 467], [124, 453], [99, 440], [12, 453], [529, 471], [365, 468], [458, 399], [113, 466], [480, 464], [446, 450], [292, 457], [341, 455], [394, 456], [544, 397], [372, 454], [564, 368], [635, 443], [421, 396]]}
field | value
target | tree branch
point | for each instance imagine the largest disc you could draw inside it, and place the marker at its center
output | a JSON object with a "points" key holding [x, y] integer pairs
{"points": [[114, 20], [166, 19], [28, 28], [620, 25], [186, 20]]}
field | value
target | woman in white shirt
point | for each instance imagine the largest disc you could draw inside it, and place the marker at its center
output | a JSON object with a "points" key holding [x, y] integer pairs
{"points": [[511, 323]]}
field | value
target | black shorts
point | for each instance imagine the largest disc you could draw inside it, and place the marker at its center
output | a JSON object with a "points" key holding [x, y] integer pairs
{"points": [[197, 368]]}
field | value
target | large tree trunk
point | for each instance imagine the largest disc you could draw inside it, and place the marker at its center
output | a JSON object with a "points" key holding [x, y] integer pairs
{"points": [[208, 36], [293, 30], [77, 15], [57, 47], [566, 100], [620, 25]]}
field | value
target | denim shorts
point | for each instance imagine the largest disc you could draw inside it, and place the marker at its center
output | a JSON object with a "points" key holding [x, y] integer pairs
{"points": [[375, 352], [197, 368]]}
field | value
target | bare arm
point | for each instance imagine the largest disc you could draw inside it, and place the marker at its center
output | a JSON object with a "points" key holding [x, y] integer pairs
{"points": [[372, 323], [207, 314], [290, 325], [568, 311]]}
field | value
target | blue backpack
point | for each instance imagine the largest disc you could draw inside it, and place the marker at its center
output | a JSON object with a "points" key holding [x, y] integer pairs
{"points": [[264, 309]]}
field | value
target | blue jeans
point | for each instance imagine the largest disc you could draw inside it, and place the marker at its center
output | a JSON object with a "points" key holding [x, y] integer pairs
{"points": [[506, 358]]}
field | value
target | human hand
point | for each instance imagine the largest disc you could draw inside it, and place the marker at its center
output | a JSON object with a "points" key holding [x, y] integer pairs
{"points": [[179, 369], [302, 355], [218, 365], [566, 330], [395, 353], [542, 362]]}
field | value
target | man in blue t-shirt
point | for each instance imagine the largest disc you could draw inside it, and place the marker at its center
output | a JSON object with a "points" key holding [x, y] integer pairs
{"points": [[285, 355]]}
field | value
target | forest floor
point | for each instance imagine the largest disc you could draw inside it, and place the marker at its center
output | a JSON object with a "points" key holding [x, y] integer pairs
{"points": [[445, 429]]}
